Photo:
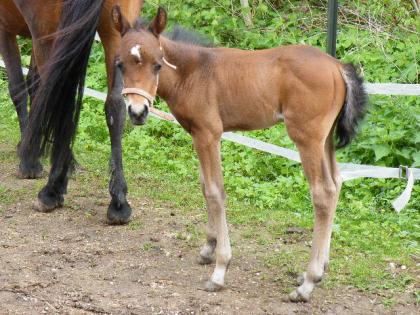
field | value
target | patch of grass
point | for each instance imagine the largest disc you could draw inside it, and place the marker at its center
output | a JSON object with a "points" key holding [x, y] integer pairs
{"points": [[9, 196], [135, 225], [147, 246], [3, 197]]}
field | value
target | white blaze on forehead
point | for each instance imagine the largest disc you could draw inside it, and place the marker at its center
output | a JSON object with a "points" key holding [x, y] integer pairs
{"points": [[135, 51]]}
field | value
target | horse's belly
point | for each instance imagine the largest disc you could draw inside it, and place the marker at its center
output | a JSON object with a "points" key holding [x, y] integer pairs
{"points": [[251, 119]]}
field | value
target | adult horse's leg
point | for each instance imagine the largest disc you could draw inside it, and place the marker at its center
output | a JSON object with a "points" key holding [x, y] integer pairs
{"points": [[321, 170], [119, 211], [18, 92], [17, 87], [207, 145], [32, 79], [57, 105], [51, 195]]}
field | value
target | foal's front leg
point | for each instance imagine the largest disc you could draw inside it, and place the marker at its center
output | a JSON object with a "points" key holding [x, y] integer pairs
{"points": [[207, 250], [207, 145]]}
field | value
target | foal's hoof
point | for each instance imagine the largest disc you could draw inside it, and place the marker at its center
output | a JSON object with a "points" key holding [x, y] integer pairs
{"points": [[39, 206], [210, 286], [119, 215], [204, 260], [301, 279], [27, 171], [297, 296]]}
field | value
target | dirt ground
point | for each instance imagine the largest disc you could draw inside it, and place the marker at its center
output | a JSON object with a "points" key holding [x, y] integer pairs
{"points": [[71, 262]]}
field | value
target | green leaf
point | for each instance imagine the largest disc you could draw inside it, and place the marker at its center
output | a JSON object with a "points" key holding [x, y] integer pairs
{"points": [[416, 157], [381, 150]]}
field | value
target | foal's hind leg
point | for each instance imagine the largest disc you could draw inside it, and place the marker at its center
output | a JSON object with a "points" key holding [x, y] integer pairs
{"points": [[207, 145], [322, 173]]}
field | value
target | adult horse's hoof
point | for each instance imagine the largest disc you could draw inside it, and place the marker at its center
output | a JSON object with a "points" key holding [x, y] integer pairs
{"points": [[39, 206], [119, 215], [28, 171], [48, 201], [297, 296], [210, 286]]}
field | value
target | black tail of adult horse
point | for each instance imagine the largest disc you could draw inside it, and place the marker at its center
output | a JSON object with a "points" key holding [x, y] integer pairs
{"points": [[55, 112], [354, 108]]}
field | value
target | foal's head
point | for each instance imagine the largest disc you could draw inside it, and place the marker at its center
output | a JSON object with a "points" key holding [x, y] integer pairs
{"points": [[140, 60]]}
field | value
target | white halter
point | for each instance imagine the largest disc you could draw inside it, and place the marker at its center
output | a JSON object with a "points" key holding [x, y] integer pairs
{"points": [[140, 92]]}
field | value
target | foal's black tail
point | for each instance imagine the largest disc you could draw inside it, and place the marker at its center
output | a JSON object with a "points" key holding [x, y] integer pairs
{"points": [[56, 108], [354, 108]]}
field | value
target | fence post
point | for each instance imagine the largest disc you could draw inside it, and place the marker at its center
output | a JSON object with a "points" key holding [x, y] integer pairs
{"points": [[246, 14], [332, 26]]}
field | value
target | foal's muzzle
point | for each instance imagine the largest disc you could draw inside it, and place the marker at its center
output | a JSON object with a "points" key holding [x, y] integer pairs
{"points": [[138, 118], [138, 111]]}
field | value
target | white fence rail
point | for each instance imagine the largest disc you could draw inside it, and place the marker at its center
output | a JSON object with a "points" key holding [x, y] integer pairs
{"points": [[348, 171]]}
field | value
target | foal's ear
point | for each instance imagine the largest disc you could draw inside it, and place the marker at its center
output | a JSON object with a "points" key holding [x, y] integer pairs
{"points": [[159, 22], [120, 22]]}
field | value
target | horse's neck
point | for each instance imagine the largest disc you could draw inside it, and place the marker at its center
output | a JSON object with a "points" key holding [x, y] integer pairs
{"points": [[186, 58]]}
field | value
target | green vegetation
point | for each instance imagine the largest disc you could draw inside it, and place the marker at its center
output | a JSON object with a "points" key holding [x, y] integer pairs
{"points": [[267, 193]]}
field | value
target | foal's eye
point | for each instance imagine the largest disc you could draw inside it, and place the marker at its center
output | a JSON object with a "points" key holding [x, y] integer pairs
{"points": [[157, 67], [120, 65]]}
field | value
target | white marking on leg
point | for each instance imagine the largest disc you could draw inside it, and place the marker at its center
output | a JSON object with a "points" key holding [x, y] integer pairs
{"points": [[218, 275], [217, 215]]}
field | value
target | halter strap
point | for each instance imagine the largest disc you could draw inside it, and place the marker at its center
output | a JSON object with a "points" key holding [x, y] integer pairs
{"points": [[170, 65], [140, 92]]}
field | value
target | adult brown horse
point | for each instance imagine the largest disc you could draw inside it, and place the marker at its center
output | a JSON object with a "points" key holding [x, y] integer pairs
{"points": [[212, 90], [62, 33]]}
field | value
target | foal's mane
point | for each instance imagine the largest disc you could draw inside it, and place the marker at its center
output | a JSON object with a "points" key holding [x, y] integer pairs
{"points": [[179, 34]]}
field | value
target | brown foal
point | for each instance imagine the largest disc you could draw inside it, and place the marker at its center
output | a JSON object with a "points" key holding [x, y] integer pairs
{"points": [[212, 90]]}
